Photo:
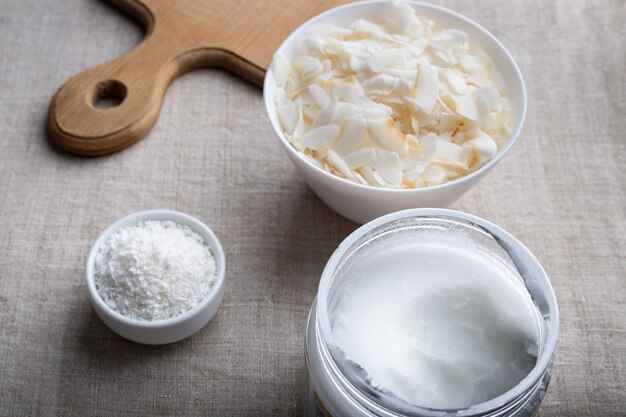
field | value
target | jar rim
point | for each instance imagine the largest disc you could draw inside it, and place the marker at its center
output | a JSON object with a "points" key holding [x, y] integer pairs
{"points": [[525, 262]]}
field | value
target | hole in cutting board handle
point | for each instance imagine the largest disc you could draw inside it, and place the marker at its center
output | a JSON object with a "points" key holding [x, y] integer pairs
{"points": [[108, 94]]}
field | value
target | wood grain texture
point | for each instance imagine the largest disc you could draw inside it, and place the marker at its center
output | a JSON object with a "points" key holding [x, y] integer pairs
{"points": [[182, 35]]}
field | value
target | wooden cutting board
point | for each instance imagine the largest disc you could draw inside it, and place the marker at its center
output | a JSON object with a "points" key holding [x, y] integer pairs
{"points": [[181, 35]]}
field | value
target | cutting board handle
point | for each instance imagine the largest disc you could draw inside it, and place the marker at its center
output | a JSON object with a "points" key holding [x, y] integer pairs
{"points": [[111, 106], [98, 110]]}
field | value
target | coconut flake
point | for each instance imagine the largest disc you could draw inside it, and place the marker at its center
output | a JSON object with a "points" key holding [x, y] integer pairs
{"points": [[336, 162], [414, 174], [457, 83], [281, 68], [326, 116], [429, 145], [320, 138], [372, 176], [387, 164], [450, 154], [319, 96], [361, 157], [385, 133], [395, 58], [427, 86], [308, 66], [343, 111], [380, 84], [301, 126], [484, 146], [465, 106], [352, 135], [399, 17], [434, 174], [288, 114], [451, 37]]}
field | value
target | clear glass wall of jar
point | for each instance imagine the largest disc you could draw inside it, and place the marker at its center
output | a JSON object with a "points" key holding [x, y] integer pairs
{"points": [[337, 388]]}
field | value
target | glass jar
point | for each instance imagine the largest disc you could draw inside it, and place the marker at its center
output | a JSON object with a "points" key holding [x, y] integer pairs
{"points": [[336, 387]]}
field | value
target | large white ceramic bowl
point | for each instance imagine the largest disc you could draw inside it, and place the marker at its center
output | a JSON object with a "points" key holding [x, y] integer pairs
{"points": [[361, 203], [161, 331]]}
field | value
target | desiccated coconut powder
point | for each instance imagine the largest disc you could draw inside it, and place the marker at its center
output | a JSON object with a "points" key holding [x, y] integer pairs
{"points": [[154, 270]]}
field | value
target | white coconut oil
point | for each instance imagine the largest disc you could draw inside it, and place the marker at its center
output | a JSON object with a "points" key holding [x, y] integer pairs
{"points": [[436, 323], [430, 312]]}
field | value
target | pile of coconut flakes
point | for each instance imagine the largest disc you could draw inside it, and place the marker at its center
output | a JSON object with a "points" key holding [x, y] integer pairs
{"points": [[392, 103]]}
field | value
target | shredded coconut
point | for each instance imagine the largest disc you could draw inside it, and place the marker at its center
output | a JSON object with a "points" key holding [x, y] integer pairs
{"points": [[395, 102], [154, 270]]}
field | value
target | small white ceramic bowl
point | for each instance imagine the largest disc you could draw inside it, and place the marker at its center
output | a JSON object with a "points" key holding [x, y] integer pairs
{"points": [[169, 330], [362, 203]]}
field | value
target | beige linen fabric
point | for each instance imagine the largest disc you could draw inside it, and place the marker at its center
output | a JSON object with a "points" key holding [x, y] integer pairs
{"points": [[212, 154]]}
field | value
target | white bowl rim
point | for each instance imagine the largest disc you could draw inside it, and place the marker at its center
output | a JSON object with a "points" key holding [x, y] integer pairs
{"points": [[270, 106], [166, 215]]}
